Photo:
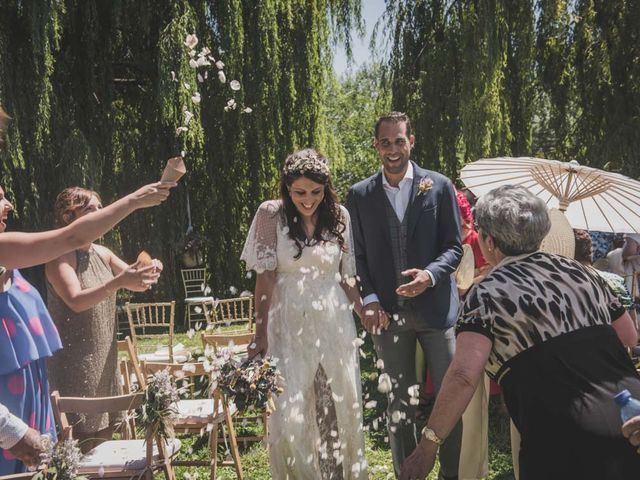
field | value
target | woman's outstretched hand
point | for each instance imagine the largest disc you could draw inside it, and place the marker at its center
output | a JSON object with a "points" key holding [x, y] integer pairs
{"points": [[152, 194]]}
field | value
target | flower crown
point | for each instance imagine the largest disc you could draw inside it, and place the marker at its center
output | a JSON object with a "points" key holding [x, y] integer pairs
{"points": [[305, 161]]}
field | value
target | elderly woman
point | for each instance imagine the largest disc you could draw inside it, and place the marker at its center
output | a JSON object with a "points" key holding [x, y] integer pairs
{"points": [[541, 325]]}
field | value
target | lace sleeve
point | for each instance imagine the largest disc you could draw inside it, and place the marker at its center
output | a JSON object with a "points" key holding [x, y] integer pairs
{"points": [[259, 250], [348, 263]]}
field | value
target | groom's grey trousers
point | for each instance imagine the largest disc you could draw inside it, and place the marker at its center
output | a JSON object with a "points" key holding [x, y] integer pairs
{"points": [[397, 349]]}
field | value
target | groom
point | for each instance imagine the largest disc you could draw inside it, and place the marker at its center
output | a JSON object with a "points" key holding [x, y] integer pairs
{"points": [[406, 228]]}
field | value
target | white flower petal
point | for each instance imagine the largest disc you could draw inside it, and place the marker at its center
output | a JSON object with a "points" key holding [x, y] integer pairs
{"points": [[191, 41], [219, 64], [221, 76], [384, 383], [202, 62], [235, 85], [247, 110], [196, 98], [193, 63]]}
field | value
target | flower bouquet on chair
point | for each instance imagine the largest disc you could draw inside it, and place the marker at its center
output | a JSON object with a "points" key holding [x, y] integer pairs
{"points": [[158, 408], [250, 385]]}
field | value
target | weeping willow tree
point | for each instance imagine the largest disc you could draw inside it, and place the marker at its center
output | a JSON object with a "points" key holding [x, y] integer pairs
{"points": [[99, 91], [554, 78]]}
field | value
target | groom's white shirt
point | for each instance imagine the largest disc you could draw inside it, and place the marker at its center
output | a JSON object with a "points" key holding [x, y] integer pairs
{"points": [[399, 198]]}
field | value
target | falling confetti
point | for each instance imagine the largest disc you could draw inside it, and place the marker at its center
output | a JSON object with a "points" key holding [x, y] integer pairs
{"points": [[384, 383]]}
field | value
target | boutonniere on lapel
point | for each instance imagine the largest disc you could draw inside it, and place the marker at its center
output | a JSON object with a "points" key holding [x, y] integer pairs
{"points": [[425, 185]]}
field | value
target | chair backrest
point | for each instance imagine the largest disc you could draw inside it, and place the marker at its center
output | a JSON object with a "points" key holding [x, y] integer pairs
{"points": [[146, 320], [217, 340], [194, 281], [179, 371], [121, 403], [176, 370], [234, 310], [90, 406], [132, 364]]}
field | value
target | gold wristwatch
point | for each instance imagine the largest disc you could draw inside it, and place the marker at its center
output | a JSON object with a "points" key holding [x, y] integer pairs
{"points": [[431, 436]]}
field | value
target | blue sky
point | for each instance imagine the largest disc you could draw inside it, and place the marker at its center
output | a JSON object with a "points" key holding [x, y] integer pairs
{"points": [[371, 12]]}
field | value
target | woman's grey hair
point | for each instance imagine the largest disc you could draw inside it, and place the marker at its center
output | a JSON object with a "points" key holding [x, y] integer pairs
{"points": [[515, 218]]}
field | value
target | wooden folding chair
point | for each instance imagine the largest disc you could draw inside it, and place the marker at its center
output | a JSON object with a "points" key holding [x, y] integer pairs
{"points": [[198, 415], [130, 366], [198, 304], [238, 343], [235, 311], [116, 458], [147, 321]]}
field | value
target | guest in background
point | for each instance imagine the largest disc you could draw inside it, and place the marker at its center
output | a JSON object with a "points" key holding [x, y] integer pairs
{"points": [[541, 324], [82, 287]]}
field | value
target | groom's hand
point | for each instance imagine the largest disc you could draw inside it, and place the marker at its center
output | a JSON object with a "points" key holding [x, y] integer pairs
{"points": [[374, 318], [421, 281]]}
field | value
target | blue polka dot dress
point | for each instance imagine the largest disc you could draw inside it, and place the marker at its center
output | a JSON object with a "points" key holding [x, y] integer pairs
{"points": [[28, 337]]}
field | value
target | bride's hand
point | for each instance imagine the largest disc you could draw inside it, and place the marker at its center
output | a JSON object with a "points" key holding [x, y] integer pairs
{"points": [[258, 346]]}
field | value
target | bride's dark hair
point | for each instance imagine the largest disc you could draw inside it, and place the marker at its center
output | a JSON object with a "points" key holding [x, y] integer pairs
{"points": [[310, 164]]}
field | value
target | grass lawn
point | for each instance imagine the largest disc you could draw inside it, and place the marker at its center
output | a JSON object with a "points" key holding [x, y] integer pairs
{"points": [[255, 460]]}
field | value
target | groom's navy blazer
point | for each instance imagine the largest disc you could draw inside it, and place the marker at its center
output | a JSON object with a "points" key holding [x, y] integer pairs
{"points": [[433, 243]]}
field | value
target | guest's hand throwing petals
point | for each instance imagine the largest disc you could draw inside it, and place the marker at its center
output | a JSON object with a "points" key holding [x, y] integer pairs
{"points": [[152, 194], [138, 279]]}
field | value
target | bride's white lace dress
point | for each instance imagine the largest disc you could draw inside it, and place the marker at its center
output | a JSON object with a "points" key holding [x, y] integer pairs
{"points": [[316, 430]]}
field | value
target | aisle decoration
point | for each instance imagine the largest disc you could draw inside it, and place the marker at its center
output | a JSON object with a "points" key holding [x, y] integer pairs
{"points": [[249, 384], [61, 460]]}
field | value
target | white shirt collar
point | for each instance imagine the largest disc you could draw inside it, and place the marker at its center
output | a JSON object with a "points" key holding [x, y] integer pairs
{"points": [[408, 176]]}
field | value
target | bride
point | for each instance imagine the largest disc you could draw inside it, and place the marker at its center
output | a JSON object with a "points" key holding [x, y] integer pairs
{"points": [[301, 249]]}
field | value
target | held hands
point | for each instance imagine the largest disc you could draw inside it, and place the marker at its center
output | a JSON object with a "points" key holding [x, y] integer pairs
{"points": [[140, 279], [152, 194], [374, 319], [258, 346], [631, 430], [29, 448], [421, 281]]}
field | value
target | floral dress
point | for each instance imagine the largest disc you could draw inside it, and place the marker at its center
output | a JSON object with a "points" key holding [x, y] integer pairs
{"points": [[27, 337], [316, 431]]}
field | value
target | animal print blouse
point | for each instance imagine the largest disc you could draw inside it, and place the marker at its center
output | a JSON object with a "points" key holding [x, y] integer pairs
{"points": [[531, 298]]}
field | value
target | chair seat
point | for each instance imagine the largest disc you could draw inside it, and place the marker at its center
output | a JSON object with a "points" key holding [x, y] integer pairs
{"points": [[122, 456], [180, 354], [164, 357], [199, 410], [199, 300]]}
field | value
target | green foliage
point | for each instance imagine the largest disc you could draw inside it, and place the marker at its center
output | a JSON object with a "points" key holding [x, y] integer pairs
{"points": [[94, 103], [352, 107], [552, 78]]}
